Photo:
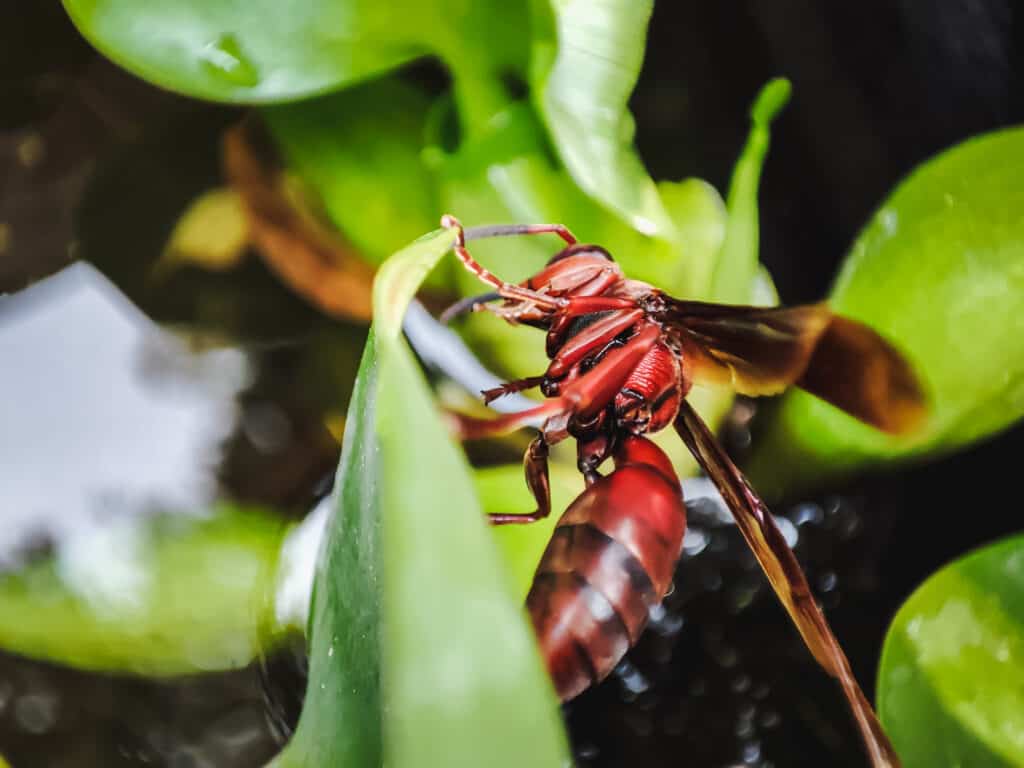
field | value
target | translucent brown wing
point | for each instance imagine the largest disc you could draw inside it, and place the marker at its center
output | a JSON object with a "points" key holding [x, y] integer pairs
{"points": [[761, 351], [785, 576]]}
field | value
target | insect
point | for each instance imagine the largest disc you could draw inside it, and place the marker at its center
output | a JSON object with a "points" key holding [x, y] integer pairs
{"points": [[623, 356]]}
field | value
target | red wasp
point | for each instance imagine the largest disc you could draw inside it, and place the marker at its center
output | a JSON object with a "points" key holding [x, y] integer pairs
{"points": [[623, 358]]}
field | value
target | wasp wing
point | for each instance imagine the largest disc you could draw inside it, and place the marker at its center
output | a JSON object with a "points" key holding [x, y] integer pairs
{"points": [[761, 351], [784, 574]]}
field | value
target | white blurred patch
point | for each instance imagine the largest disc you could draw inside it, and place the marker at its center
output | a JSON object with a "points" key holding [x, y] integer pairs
{"points": [[703, 488], [106, 566], [299, 554], [104, 415]]}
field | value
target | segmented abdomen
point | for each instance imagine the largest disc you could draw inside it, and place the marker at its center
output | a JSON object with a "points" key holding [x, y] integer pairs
{"points": [[609, 561]]}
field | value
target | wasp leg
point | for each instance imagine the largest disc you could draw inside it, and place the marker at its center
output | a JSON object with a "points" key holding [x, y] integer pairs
{"points": [[506, 290], [535, 466], [592, 339], [584, 398], [590, 454], [510, 387]]}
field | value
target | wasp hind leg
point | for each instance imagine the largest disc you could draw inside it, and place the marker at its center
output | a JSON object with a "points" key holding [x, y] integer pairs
{"points": [[535, 466]]}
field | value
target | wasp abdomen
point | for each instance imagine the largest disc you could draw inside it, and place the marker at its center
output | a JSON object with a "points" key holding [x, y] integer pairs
{"points": [[610, 561]]}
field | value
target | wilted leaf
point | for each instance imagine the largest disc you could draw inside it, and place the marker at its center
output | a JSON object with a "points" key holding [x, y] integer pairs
{"points": [[939, 270], [411, 605], [951, 680], [309, 256], [212, 233]]}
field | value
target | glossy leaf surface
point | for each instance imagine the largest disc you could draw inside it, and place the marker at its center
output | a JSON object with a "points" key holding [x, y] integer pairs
{"points": [[951, 680], [583, 75], [229, 50], [939, 271], [265, 51], [411, 604]]}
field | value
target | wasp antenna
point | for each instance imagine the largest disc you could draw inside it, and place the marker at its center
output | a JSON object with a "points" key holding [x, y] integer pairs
{"points": [[466, 305], [511, 230]]}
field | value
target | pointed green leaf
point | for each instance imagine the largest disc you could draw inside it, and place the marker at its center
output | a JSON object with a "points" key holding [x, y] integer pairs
{"points": [[739, 259], [939, 270], [951, 679], [418, 655]]}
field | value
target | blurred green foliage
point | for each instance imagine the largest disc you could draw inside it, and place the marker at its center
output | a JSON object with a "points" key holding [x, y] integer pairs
{"points": [[951, 680], [165, 596]]}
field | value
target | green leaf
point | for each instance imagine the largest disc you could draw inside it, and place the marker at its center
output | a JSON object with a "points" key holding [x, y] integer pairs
{"points": [[213, 576], [951, 679], [360, 150], [256, 51], [265, 51], [584, 70], [739, 259], [418, 655], [939, 270]]}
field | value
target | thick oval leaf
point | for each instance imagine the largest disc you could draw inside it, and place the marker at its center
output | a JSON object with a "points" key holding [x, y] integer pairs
{"points": [[411, 605], [951, 680], [166, 596], [939, 270], [265, 51], [257, 51]]}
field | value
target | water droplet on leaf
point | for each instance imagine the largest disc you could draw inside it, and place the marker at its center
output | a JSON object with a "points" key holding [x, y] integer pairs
{"points": [[224, 59]]}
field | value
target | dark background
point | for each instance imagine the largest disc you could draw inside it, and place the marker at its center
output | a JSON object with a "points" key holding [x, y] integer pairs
{"points": [[878, 87], [722, 680]]}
